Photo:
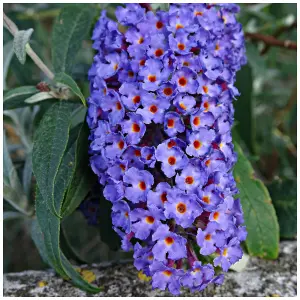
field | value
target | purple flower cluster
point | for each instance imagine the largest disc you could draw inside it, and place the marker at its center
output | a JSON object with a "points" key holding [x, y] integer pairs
{"points": [[160, 114]]}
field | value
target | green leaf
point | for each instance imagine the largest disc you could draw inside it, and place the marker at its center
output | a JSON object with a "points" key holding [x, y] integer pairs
{"points": [[49, 245], [259, 213], [70, 83], [83, 178], [70, 29], [244, 107], [27, 175], [22, 37], [8, 53], [284, 196], [108, 235], [15, 98], [49, 146], [39, 97], [12, 189], [11, 215]]}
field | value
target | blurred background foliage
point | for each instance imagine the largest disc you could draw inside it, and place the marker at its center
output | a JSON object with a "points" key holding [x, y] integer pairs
{"points": [[266, 121]]}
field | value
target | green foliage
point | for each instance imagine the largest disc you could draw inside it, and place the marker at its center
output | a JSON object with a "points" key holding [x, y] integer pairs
{"points": [[20, 41], [259, 213], [15, 98], [70, 28], [68, 81], [284, 196]]}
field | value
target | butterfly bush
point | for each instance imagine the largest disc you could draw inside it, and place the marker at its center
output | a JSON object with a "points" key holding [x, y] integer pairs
{"points": [[160, 114]]}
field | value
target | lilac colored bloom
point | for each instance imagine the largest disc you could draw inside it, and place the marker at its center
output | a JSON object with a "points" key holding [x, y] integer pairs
{"points": [[172, 159], [153, 109], [121, 215], [184, 103], [134, 128], [185, 80], [140, 181], [160, 112], [190, 178], [209, 239], [200, 142], [146, 221], [183, 208], [173, 124], [168, 242], [160, 196]]}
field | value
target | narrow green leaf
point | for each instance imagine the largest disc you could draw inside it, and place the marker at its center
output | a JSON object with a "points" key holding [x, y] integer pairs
{"points": [[12, 188], [22, 37], [49, 146], [70, 29], [39, 97], [15, 98], [70, 83], [49, 245], [244, 107], [83, 178], [27, 175], [11, 215], [8, 52], [259, 213], [284, 196]]}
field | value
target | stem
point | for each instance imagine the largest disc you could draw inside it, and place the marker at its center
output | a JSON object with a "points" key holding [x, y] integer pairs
{"points": [[13, 29], [270, 40]]}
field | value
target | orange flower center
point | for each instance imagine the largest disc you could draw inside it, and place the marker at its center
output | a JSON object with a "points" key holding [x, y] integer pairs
{"points": [[153, 109], [159, 25], [122, 167], [137, 153], [171, 123], [172, 160], [118, 106], [208, 237], [217, 47], [181, 46], [206, 105], [136, 99], [182, 105], [216, 215], [189, 180], [207, 163], [141, 40], [197, 144], [206, 199], [178, 26], [142, 62], [196, 121], [163, 197], [168, 91], [169, 241], [171, 144], [186, 63], [182, 81], [126, 214], [198, 13], [142, 185], [130, 74], [205, 89], [181, 208], [159, 52], [116, 67], [149, 156], [121, 145], [167, 273], [225, 251], [135, 127], [152, 78], [150, 219]]}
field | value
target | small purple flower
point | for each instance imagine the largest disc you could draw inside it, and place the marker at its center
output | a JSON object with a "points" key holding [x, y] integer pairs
{"points": [[164, 276], [132, 95], [183, 208], [190, 178], [145, 221], [184, 103], [118, 169], [114, 191], [148, 156], [140, 181], [168, 242], [132, 154], [185, 80], [173, 124], [143, 257], [153, 109], [167, 91], [172, 159], [200, 142], [106, 70], [209, 239], [207, 87], [201, 119], [115, 145], [130, 15], [158, 46], [209, 198], [121, 215], [134, 127], [182, 43], [160, 196]]}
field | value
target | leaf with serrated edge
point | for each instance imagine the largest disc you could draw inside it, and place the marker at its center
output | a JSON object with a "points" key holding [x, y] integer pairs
{"points": [[49, 145], [259, 213], [70, 28], [22, 37], [69, 82]]}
